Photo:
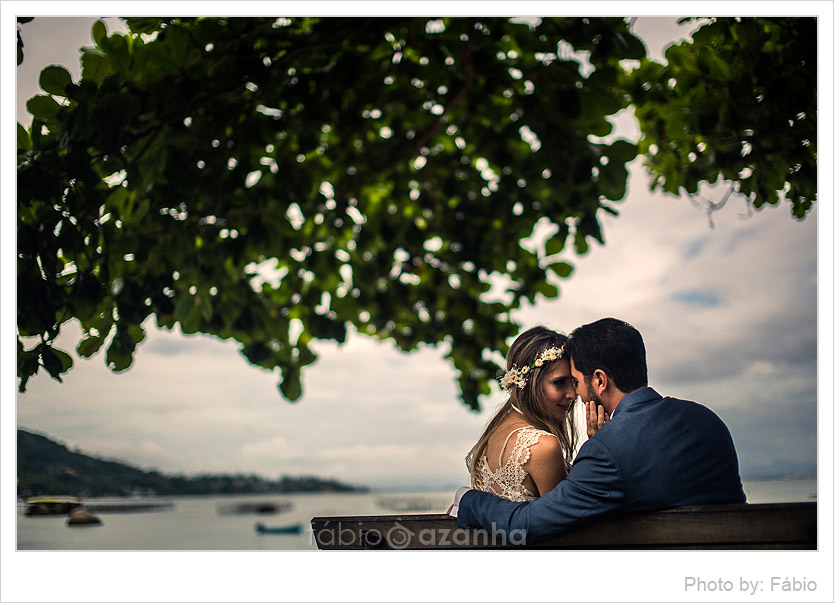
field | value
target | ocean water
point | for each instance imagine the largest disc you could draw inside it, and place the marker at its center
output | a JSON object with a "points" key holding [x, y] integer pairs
{"points": [[196, 523]]}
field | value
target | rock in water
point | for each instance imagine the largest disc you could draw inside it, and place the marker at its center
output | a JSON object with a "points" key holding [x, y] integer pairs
{"points": [[81, 517]]}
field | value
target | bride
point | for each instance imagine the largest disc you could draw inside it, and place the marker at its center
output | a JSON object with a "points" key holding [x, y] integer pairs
{"points": [[527, 447]]}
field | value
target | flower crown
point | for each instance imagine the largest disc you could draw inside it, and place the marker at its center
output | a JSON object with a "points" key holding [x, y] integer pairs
{"points": [[518, 376]]}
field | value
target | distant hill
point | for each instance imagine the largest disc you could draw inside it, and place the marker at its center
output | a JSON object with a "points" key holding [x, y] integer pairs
{"points": [[47, 467]]}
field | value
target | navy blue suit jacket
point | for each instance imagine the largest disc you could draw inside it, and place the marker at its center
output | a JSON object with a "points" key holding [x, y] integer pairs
{"points": [[654, 453]]}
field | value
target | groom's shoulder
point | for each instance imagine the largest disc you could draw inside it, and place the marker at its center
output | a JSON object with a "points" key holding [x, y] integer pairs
{"points": [[647, 406], [691, 406], [695, 414], [648, 396]]}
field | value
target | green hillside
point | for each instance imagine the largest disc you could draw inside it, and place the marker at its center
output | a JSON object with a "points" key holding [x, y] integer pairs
{"points": [[48, 467]]}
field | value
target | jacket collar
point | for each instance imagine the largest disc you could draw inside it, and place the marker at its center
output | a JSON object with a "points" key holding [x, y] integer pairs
{"points": [[638, 396]]}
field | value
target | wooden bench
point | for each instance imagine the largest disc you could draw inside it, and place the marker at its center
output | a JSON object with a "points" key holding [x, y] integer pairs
{"points": [[743, 526]]}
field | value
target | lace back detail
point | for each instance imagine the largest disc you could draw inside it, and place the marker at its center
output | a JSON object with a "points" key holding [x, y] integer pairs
{"points": [[507, 481]]}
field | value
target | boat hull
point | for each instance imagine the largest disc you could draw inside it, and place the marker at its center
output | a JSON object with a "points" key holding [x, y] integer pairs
{"points": [[292, 529], [51, 505]]}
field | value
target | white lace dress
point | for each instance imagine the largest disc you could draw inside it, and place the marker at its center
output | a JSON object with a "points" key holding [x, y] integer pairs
{"points": [[506, 482]]}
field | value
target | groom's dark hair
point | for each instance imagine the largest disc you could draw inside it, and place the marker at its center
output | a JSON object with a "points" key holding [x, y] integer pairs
{"points": [[614, 346]]}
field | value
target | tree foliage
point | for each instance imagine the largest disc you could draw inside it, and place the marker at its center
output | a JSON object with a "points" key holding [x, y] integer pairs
{"points": [[738, 103], [275, 181]]}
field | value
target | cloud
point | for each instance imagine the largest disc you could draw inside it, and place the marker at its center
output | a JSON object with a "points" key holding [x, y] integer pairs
{"points": [[269, 450], [771, 436], [705, 299], [168, 346], [694, 249]]}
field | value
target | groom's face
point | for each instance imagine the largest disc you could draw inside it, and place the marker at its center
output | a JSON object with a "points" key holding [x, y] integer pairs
{"points": [[583, 389]]}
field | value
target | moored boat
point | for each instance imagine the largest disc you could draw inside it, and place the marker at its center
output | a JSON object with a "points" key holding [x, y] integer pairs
{"points": [[51, 505], [295, 528], [128, 506], [81, 517], [258, 507]]}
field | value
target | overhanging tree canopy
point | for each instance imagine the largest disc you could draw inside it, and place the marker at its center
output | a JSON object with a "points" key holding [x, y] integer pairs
{"points": [[275, 180], [739, 103]]}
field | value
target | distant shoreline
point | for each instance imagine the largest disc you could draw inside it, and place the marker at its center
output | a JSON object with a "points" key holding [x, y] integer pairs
{"points": [[45, 467]]}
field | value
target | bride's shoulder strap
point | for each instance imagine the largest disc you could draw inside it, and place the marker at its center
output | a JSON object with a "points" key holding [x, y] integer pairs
{"points": [[506, 441], [526, 440]]}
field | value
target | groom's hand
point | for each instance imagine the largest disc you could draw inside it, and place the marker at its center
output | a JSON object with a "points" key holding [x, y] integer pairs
{"points": [[595, 417]]}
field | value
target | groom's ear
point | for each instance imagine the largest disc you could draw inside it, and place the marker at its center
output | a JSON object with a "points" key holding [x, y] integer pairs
{"points": [[599, 381]]}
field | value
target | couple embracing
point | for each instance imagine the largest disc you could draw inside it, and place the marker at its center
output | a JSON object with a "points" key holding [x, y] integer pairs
{"points": [[644, 451]]}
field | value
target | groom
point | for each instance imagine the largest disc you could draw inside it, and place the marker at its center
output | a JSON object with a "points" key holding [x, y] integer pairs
{"points": [[652, 453]]}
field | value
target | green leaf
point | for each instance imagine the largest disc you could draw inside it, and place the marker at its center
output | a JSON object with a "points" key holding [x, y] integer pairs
{"points": [[23, 141], [183, 306], [143, 25], [188, 312], [622, 150], [28, 364], [547, 289], [89, 346], [612, 180], [54, 79], [99, 33], [66, 360], [55, 361], [137, 333], [563, 269], [94, 66], [712, 65], [120, 351], [179, 46], [258, 353], [118, 52], [290, 382], [306, 356], [44, 108], [556, 243]]}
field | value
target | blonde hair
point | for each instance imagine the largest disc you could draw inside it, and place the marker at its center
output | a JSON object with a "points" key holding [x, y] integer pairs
{"points": [[523, 352]]}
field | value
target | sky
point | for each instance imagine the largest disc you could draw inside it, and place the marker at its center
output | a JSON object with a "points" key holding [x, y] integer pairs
{"points": [[735, 315], [728, 312]]}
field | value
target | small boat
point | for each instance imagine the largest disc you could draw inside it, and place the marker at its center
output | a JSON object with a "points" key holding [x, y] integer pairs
{"points": [[295, 528], [51, 505], [81, 517], [260, 508], [127, 506]]}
